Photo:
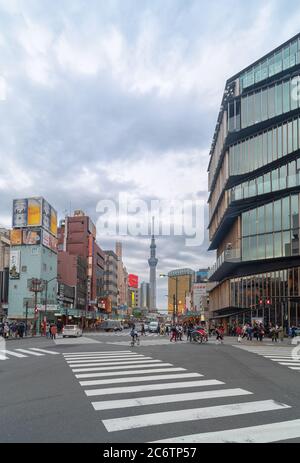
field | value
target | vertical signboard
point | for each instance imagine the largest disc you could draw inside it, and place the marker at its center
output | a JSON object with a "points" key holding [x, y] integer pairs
{"points": [[14, 264], [53, 226], [34, 212], [20, 213], [46, 215]]}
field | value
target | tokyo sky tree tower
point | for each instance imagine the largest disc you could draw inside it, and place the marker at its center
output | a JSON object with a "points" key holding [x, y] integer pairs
{"points": [[152, 264]]}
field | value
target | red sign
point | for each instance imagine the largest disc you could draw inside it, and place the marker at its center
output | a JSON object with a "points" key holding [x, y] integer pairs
{"points": [[133, 281]]}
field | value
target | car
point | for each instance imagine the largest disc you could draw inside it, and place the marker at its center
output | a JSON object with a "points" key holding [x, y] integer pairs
{"points": [[146, 326], [153, 327], [111, 325], [71, 331]]}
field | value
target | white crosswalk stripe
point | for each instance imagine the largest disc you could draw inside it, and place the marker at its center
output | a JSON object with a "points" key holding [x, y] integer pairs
{"points": [[113, 371], [281, 355], [19, 353], [265, 433]]}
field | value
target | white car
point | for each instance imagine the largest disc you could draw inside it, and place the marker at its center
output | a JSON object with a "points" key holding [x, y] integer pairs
{"points": [[71, 331]]}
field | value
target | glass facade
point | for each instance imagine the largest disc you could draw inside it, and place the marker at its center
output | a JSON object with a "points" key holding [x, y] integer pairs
{"points": [[283, 177], [263, 230], [272, 230], [279, 61], [268, 146], [278, 288]]}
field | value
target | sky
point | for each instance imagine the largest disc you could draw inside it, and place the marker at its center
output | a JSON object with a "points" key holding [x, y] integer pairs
{"points": [[104, 97]]}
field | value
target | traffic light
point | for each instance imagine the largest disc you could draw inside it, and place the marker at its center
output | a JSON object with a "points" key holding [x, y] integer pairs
{"points": [[261, 302], [268, 301]]}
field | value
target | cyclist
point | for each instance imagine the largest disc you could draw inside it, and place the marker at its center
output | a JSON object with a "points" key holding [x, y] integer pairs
{"points": [[134, 336]]}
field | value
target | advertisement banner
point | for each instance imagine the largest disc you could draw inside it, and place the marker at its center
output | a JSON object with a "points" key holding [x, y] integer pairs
{"points": [[34, 212], [53, 243], [46, 215], [14, 264], [20, 213], [46, 239], [16, 237], [133, 281], [53, 227], [31, 237]]}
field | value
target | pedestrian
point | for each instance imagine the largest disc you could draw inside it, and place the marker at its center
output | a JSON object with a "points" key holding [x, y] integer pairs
{"points": [[53, 331], [6, 330], [190, 330], [220, 334], [143, 332], [281, 333], [173, 333], [239, 332], [180, 332]]}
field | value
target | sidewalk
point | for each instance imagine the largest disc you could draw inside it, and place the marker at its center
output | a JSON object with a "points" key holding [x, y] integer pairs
{"points": [[268, 341]]}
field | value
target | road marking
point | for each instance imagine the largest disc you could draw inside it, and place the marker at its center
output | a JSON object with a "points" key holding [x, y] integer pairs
{"points": [[138, 379], [296, 364], [102, 357], [145, 364], [153, 387], [45, 351], [294, 368], [133, 372], [161, 399], [106, 359], [98, 352], [254, 434], [152, 419], [15, 354], [30, 352], [115, 362], [3, 357]]}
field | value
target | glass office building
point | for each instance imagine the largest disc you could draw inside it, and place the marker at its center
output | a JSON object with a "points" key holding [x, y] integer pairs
{"points": [[254, 186]]}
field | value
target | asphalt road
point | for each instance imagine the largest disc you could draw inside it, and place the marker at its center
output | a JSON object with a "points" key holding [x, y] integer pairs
{"points": [[99, 389]]}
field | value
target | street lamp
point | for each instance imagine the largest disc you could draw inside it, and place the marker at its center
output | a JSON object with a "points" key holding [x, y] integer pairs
{"points": [[175, 296]]}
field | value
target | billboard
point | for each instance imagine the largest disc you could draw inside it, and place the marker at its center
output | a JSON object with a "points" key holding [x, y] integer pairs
{"points": [[53, 225], [34, 214], [31, 237], [46, 215], [16, 237], [133, 281], [19, 213], [14, 264], [49, 241]]}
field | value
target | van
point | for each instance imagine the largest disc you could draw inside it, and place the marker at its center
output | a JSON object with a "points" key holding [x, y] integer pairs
{"points": [[111, 325], [153, 327]]}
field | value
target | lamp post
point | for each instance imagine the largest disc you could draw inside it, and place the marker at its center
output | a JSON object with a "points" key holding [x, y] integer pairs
{"points": [[175, 296]]}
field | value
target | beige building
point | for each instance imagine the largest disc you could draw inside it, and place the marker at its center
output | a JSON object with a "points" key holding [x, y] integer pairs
{"points": [[180, 283], [122, 276]]}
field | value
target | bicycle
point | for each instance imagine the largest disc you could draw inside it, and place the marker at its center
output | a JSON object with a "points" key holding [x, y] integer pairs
{"points": [[135, 340]]}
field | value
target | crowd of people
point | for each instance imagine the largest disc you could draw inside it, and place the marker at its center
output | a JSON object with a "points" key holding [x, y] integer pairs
{"points": [[259, 331], [13, 329]]}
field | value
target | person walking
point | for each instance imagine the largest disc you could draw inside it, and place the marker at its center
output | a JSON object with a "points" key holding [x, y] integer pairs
{"points": [[6, 330], [180, 332], [190, 330], [143, 332], [220, 334], [53, 331], [173, 333], [281, 333]]}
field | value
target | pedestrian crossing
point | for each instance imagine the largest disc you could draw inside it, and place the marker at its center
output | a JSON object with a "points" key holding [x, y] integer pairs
{"points": [[130, 391], [284, 356], [6, 354]]}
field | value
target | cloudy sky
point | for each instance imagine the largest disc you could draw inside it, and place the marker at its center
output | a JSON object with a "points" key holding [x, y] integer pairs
{"points": [[101, 97]]}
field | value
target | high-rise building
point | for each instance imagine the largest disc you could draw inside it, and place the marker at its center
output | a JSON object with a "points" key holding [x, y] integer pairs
{"points": [[254, 186], [78, 249], [144, 296], [122, 276], [152, 264], [4, 270], [111, 278], [33, 256], [180, 283]]}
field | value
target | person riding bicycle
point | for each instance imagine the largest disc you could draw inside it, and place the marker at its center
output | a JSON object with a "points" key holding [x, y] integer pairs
{"points": [[134, 334]]}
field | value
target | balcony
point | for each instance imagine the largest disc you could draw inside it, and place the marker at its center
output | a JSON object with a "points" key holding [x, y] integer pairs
{"points": [[225, 262]]}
